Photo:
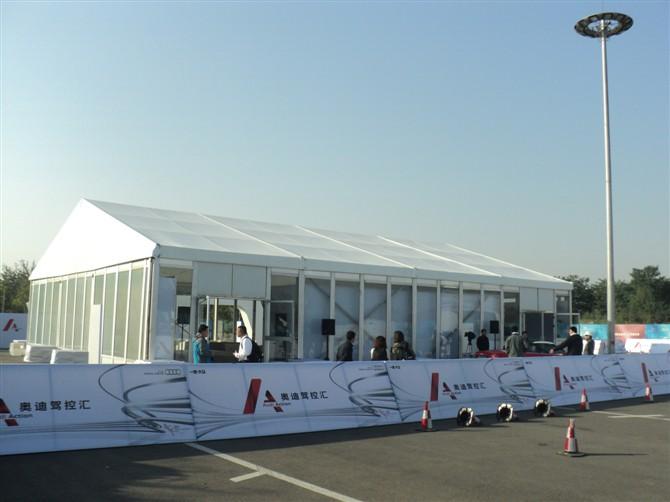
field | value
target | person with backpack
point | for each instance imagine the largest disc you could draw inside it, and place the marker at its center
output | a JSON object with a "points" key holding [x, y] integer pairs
{"points": [[201, 350], [248, 350], [400, 348]]}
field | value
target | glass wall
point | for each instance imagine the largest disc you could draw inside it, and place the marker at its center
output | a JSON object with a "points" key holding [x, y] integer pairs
{"points": [[69, 314], [78, 312], [31, 313], [60, 310], [401, 312], [60, 339], [48, 295], [471, 318], [317, 307], [120, 315], [347, 308], [492, 313], [449, 334], [426, 321], [50, 333], [87, 313], [512, 319], [375, 316], [108, 313], [281, 344], [562, 316], [135, 314]]}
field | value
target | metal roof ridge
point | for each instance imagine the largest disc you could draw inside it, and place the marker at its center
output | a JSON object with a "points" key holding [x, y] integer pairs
{"points": [[508, 263], [492, 274], [404, 265], [301, 258]]}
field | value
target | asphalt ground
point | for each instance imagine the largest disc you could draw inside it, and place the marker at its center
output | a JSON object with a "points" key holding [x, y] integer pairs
{"points": [[627, 446]]}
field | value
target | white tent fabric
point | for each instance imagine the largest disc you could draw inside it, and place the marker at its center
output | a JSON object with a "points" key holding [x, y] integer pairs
{"points": [[100, 234]]}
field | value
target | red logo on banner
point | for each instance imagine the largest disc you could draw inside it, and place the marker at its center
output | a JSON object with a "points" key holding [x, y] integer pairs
{"points": [[4, 410], [568, 383], [557, 377], [269, 399], [448, 391], [434, 386], [11, 324], [252, 398]]}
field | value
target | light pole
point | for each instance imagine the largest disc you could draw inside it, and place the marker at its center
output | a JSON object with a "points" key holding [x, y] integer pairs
{"points": [[602, 26]]}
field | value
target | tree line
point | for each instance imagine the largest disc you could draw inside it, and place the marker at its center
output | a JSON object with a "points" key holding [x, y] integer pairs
{"points": [[645, 298]]}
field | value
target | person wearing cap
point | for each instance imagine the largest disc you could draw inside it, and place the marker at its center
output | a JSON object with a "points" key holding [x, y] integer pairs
{"points": [[589, 344], [514, 345], [201, 351]]}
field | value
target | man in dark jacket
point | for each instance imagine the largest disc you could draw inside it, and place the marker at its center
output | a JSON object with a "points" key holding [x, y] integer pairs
{"points": [[573, 343], [345, 352], [483, 341]]}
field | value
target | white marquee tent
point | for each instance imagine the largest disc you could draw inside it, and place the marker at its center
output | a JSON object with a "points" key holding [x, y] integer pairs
{"points": [[124, 283]]}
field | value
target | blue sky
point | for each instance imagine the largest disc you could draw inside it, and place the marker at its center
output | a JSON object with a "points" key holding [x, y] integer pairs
{"points": [[475, 123]]}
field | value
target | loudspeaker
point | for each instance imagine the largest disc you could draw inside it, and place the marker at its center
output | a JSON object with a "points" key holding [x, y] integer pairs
{"points": [[494, 327], [183, 315], [328, 327]]}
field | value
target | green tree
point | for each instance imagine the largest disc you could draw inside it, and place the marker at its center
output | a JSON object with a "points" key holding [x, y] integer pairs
{"points": [[583, 298], [648, 302], [15, 286]]}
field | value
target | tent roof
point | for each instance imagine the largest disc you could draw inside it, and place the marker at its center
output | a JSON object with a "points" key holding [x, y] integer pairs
{"points": [[99, 234]]}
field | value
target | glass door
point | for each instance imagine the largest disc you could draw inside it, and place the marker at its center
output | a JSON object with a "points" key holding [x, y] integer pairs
{"points": [[281, 342]]}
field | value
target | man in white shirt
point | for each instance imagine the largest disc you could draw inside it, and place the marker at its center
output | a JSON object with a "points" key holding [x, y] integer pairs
{"points": [[245, 347]]}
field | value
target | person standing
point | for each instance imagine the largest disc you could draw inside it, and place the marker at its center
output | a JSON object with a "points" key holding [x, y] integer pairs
{"points": [[589, 344], [525, 341], [514, 345], [482, 341], [378, 352], [245, 348], [345, 352], [400, 348], [201, 350], [573, 343]]}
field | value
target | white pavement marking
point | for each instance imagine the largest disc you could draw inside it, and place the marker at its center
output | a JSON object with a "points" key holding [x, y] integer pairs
{"points": [[244, 477], [626, 415], [619, 415], [278, 475], [637, 416]]}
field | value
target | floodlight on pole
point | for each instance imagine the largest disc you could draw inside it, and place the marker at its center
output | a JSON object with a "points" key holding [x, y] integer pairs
{"points": [[602, 26]]}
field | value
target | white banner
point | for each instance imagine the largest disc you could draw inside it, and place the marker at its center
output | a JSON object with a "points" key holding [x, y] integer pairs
{"points": [[242, 400], [562, 378], [647, 368], [64, 407], [450, 384], [647, 345], [12, 327]]}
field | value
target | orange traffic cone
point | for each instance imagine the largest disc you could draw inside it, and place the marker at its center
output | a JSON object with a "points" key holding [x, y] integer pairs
{"points": [[584, 402], [570, 447], [426, 419], [648, 395]]}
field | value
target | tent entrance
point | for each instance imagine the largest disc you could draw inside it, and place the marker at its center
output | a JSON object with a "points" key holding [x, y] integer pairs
{"points": [[270, 323]]}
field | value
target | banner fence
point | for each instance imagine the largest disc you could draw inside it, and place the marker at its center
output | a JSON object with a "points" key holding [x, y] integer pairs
{"points": [[69, 407]]}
